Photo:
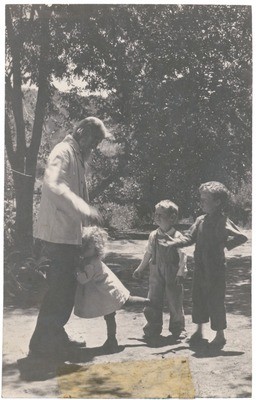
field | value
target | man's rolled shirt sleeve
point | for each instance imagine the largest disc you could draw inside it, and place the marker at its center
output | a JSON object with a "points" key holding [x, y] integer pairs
{"points": [[57, 185]]}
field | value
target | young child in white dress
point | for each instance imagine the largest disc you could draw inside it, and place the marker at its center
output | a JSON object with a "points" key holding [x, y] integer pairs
{"points": [[99, 291]]}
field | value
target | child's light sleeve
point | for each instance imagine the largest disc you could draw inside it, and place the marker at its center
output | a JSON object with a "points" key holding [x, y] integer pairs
{"points": [[150, 244], [146, 257], [182, 271], [235, 236]]}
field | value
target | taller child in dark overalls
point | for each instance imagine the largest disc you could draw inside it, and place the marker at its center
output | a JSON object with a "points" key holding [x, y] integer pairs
{"points": [[167, 271], [212, 233]]}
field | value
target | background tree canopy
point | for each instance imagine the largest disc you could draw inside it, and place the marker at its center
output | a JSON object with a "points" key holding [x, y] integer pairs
{"points": [[172, 82]]}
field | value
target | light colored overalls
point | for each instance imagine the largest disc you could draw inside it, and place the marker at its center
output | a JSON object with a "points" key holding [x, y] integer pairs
{"points": [[164, 267]]}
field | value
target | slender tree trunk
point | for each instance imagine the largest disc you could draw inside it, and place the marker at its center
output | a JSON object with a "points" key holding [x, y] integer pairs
{"points": [[23, 158], [24, 190]]}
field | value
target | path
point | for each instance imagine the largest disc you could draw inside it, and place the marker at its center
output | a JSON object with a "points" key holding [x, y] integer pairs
{"points": [[226, 373]]}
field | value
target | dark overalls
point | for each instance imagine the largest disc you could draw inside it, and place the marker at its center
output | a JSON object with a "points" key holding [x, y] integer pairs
{"points": [[211, 234], [164, 266], [209, 283]]}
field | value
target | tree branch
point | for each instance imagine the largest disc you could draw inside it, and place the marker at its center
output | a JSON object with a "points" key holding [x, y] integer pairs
{"points": [[42, 94], [8, 142], [16, 92]]}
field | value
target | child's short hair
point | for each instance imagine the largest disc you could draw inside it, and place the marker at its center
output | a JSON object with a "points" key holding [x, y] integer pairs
{"points": [[217, 190], [96, 236], [169, 206]]}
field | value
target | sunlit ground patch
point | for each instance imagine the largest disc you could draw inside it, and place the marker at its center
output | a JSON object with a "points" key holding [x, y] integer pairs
{"points": [[166, 378]]}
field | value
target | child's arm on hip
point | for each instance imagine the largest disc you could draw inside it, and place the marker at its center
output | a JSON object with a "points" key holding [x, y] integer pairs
{"points": [[235, 236]]}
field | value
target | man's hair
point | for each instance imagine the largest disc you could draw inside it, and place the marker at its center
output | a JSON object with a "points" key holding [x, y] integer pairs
{"points": [[217, 190], [168, 206], [91, 126], [96, 236]]}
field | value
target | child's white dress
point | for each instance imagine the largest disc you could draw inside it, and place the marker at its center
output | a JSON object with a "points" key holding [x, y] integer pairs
{"points": [[99, 291]]}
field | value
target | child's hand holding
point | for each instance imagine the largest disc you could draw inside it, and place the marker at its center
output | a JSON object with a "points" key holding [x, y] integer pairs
{"points": [[167, 242], [81, 276]]}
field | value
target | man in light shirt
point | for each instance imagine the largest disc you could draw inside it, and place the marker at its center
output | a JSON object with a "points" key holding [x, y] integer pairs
{"points": [[64, 210]]}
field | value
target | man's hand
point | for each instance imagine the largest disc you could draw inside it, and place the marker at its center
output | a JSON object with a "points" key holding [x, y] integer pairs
{"points": [[94, 217], [137, 274], [179, 280], [91, 216]]}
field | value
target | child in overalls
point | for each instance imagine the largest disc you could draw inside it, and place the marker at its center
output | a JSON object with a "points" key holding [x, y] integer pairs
{"points": [[99, 291], [167, 271], [211, 233]]}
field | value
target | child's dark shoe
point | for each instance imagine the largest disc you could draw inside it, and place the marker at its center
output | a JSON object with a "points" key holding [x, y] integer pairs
{"points": [[179, 334], [149, 335], [110, 346], [152, 339], [217, 344], [196, 338]]}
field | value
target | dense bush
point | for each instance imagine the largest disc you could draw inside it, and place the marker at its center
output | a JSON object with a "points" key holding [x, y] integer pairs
{"points": [[119, 217], [240, 208]]}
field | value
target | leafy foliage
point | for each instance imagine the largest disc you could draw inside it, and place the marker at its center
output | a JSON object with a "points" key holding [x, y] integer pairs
{"points": [[25, 278], [179, 81], [172, 82]]}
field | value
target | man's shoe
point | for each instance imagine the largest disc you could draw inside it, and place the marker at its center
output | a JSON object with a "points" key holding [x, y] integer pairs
{"points": [[61, 349], [46, 354]]}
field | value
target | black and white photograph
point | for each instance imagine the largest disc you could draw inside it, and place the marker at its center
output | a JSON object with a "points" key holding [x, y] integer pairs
{"points": [[127, 200]]}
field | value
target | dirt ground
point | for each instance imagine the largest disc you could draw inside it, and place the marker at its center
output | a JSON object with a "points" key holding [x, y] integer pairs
{"points": [[221, 374]]}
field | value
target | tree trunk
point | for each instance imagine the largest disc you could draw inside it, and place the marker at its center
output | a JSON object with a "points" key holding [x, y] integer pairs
{"points": [[24, 190], [24, 157]]}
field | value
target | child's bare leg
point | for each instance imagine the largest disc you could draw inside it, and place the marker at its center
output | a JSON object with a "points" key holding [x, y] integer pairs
{"points": [[137, 300], [197, 335], [199, 329], [220, 334], [111, 345], [111, 325]]}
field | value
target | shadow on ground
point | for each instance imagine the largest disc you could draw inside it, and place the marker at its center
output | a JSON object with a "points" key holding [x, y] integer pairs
{"points": [[238, 293], [35, 368], [238, 277], [238, 302]]}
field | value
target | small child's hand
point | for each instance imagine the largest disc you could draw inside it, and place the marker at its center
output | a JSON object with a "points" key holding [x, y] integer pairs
{"points": [[137, 274], [167, 243], [81, 277], [179, 280]]}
